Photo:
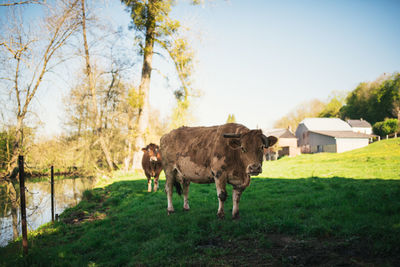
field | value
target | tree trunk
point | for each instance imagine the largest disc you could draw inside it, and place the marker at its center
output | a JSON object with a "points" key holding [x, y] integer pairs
{"points": [[12, 167], [144, 87], [97, 125]]}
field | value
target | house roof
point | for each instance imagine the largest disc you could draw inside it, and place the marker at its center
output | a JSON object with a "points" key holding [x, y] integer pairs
{"points": [[359, 123], [343, 134], [279, 133], [325, 124]]}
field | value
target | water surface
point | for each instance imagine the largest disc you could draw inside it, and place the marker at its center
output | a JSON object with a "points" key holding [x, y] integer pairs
{"points": [[68, 193]]}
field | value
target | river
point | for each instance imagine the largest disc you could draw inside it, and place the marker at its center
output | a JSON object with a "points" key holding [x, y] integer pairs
{"points": [[68, 193]]}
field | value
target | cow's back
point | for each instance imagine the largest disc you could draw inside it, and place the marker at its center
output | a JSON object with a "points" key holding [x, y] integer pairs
{"points": [[199, 144], [193, 142]]}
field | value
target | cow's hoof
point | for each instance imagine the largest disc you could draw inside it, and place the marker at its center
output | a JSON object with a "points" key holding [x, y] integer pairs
{"points": [[186, 209], [236, 216], [170, 212], [221, 215]]}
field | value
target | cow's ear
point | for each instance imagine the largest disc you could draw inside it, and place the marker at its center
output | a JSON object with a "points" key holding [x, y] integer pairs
{"points": [[234, 143], [272, 140], [144, 149], [234, 140]]}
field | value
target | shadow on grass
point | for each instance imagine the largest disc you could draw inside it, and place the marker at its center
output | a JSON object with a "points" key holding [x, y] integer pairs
{"points": [[309, 221]]}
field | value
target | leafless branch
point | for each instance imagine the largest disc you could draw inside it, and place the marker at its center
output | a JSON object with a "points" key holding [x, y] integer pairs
{"points": [[22, 3]]}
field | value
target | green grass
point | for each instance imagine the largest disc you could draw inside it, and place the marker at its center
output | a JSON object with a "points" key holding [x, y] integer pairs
{"points": [[380, 160], [306, 221]]}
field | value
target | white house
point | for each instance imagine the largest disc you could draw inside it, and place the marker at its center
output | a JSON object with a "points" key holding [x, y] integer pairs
{"points": [[328, 135], [360, 126], [287, 142]]}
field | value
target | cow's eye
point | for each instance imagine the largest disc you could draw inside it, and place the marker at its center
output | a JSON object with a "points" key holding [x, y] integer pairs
{"points": [[244, 150]]}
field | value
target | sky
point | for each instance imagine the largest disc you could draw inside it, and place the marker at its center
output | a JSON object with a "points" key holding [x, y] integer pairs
{"points": [[259, 59]]}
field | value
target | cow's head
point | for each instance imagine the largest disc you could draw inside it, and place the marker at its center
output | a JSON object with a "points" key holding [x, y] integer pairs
{"points": [[251, 144], [153, 151]]}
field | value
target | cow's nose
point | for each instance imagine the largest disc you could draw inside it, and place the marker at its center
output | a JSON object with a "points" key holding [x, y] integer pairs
{"points": [[255, 169], [153, 158]]}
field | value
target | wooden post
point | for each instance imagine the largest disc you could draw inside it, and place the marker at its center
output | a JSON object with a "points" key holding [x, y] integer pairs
{"points": [[23, 204], [52, 193]]}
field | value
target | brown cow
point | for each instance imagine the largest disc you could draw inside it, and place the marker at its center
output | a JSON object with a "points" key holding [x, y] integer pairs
{"points": [[229, 153], [151, 163]]}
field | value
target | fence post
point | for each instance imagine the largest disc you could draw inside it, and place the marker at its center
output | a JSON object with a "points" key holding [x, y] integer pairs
{"points": [[23, 204], [52, 192]]}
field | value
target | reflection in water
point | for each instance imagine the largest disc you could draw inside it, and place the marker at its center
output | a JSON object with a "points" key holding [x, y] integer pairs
{"points": [[68, 193]]}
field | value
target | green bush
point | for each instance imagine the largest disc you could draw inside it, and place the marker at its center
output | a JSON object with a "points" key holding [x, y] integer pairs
{"points": [[388, 126]]}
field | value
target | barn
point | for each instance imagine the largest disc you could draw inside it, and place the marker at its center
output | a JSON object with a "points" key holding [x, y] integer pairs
{"points": [[328, 135], [287, 143], [360, 126]]}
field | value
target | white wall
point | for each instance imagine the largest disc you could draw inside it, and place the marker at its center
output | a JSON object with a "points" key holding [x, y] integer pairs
{"points": [[346, 144], [302, 139], [362, 130]]}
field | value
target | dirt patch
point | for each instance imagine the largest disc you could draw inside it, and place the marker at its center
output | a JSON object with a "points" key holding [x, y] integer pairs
{"points": [[284, 250]]}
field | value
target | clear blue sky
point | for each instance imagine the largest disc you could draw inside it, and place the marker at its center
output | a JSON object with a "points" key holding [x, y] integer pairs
{"points": [[260, 59]]}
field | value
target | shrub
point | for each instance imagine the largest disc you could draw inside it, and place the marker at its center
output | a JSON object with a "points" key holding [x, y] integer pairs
{"points": [[388, 126]]}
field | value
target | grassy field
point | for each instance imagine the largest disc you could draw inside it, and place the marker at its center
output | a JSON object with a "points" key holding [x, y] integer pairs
{"points": [[304, 221], [379, 160]]}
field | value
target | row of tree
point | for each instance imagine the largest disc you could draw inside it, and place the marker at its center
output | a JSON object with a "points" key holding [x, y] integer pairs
{"points": [[378, 102], [108, 117], [106, 114]]}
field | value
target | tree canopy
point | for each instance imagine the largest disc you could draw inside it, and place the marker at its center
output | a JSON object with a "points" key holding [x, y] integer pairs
{"points": [[374, 101]]}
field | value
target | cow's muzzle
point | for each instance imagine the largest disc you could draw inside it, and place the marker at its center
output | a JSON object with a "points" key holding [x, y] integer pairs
{"points": [[153, 159], [254, 169]]}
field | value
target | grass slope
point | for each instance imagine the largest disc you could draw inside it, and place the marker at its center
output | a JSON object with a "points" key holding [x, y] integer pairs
{"points": [[308, 221], [379, 160]]}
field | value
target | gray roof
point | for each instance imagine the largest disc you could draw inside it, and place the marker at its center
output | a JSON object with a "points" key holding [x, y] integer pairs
{"points": [[325, 124], [343, 134], [359, 123], [279, 133]]}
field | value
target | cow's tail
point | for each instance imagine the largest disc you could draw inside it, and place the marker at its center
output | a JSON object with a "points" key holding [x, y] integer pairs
{"points": [[178, 187]]}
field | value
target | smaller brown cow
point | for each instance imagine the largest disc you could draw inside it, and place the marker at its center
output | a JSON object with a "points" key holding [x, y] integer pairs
{"points": [[151, 163]]}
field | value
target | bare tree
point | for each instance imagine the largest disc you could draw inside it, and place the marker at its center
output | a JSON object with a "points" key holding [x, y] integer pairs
{"points": [[31, 56], [60, 25], [16, 3], [98, 128]]}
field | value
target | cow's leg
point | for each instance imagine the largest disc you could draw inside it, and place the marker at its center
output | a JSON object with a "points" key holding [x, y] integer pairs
{"points": [[236, 193], [155, 188], [186, 184], [148, 181], [220, 184], [169, 186]]}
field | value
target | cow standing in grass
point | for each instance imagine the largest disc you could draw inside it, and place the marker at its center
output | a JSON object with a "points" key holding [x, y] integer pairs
{"points": [[151, 163], [229, 153]]}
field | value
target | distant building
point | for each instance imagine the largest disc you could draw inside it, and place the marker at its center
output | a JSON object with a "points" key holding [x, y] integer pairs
{"points": [[360, 126], [328, 135], [287, 143]]}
